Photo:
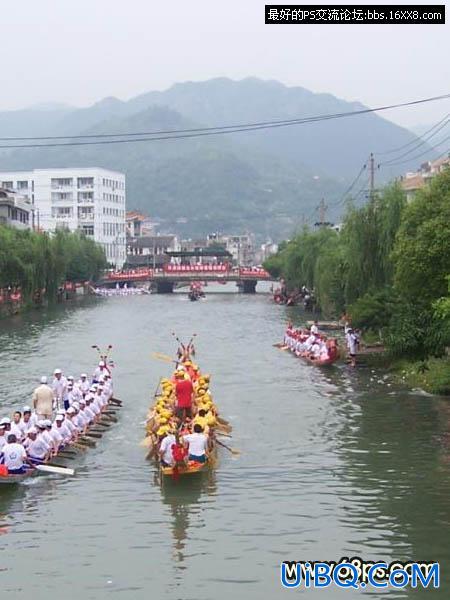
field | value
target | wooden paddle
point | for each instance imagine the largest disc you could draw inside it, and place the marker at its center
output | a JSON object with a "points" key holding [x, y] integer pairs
{"points": [[55, 469], [66, 456], [87, 442], [164, 357], [93, 434], [147, 442], [79, 446], [233, 451], [116, 402]]}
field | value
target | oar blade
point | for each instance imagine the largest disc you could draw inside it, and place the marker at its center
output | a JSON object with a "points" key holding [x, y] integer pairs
{"points": [[52, 469]]}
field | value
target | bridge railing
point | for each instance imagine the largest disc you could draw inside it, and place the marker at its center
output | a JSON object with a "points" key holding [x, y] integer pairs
{"points": [[145, 273]]}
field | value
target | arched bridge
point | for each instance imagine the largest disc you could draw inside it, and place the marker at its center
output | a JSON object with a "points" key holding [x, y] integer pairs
{"points": [[166, 277]]}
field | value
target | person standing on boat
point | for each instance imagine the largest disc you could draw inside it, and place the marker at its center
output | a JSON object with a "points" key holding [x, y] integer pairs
{"points": [[315, 328], [59, 386], [43, 400], [14, 456], [183, 391], [16, 427], [197, 444]]}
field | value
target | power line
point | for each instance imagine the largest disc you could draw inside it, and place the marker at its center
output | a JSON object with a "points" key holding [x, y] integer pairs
{"points": [[427, 151], [100, 139], [351, 186], [412, 142], [422, 141]]}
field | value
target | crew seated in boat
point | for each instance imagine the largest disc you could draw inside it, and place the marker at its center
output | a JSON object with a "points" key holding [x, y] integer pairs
{"points": [[14, 456], [37, 448], [197, 444], [165, 449]]}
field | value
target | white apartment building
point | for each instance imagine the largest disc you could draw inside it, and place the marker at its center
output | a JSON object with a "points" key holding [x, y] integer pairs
{"points": [[91, 200]]}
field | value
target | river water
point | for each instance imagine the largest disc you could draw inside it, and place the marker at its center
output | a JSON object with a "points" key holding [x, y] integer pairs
{"points": [[333, 463]]}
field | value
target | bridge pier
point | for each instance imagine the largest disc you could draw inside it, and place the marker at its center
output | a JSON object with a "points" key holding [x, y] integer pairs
{"points": [[164, 287], [247, 286]]}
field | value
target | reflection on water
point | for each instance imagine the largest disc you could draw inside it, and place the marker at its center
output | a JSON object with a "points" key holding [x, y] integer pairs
{"points": [[334, 462]]}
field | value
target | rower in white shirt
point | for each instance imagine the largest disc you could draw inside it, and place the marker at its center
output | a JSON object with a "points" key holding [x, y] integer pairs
{"points": [[62, 428], [78, 419], [28, 419], [86, 414], [315, 328], [83, 384], [16, 427], [88, 410], [14, 456], [37, 448], [3, 438], [99, 371], [55, 435], [69, 424], [43, 434]]}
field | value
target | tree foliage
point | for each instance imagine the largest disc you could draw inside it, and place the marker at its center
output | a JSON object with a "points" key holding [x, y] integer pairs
{"points": [[388, 267], [36, 261]]}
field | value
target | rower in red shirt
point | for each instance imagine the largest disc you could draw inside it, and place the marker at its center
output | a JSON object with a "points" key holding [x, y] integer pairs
{"points": [[183, 391]]}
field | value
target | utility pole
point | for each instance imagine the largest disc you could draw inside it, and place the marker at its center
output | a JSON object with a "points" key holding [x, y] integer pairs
{"points": [[371, 177], [322, 208]]}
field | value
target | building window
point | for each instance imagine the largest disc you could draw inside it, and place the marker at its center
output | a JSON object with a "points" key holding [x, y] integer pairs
{"points": [[85, 182], [86, 197], [87, 229], [58, 182], [22, 185], [7, 184]]}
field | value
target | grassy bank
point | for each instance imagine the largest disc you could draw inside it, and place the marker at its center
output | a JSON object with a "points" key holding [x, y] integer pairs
{"points": [[432, 375]]}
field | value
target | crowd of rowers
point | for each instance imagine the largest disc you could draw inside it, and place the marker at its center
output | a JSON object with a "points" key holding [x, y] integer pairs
{"points": [[184, 418], [310, 343], [61, 413]]}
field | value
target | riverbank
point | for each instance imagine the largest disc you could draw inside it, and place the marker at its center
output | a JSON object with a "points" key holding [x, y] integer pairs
{"points": [[431, 376]]}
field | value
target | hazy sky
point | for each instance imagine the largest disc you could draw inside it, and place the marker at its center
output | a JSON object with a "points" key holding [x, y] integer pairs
{"points": [[79, 51]]}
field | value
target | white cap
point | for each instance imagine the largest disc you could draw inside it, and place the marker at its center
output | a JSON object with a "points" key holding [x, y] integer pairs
{"points": [[70, 377], [101, 364], [57, 371], [59, 418], [32, 430], [26, 409], [44, 379], [5, 421], [41, 424], [75, 405], [93, 388], [47, 422], [83, 375], [81, 401], [70, 411]]}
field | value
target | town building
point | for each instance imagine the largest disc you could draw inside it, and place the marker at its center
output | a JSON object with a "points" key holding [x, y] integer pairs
{"points": [[91, 200], [241, 247], [150, 251], [412, 182], [15, 209], [139, 225]]}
